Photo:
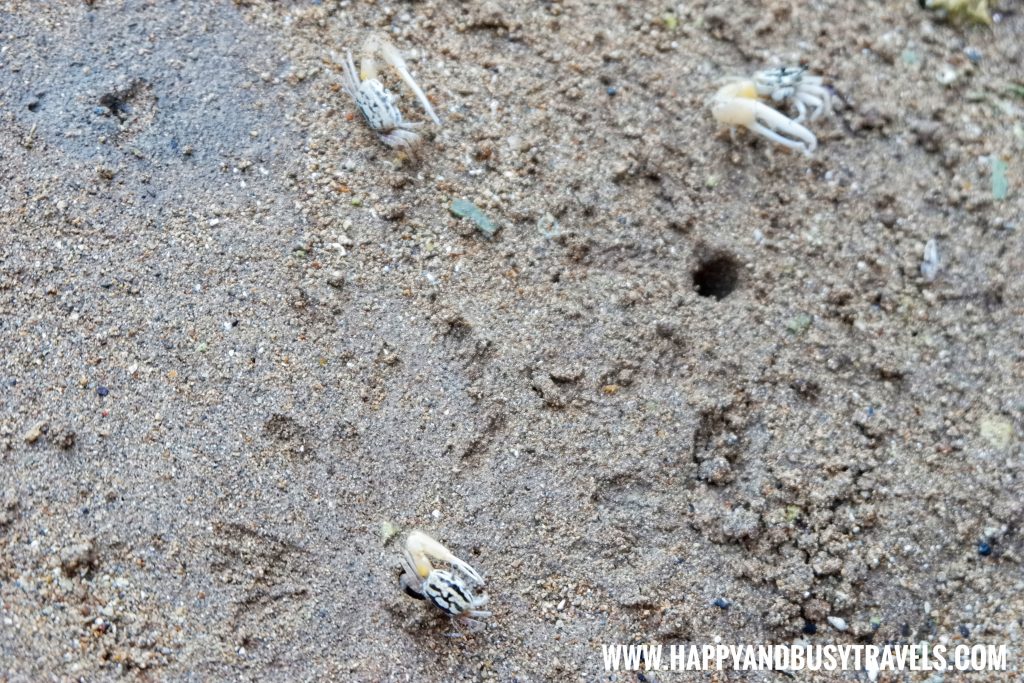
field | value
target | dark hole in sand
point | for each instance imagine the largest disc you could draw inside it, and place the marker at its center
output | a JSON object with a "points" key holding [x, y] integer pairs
{"points": [[116, 106], [716, 276]]}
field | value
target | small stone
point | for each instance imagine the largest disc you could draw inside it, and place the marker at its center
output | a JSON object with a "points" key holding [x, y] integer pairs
{"points": [[816, 609], [387, 531], [721, 603], [568, 373], [928, 134], [665, 329], [8, 508], [984, 549], [392, 212], [64, 438], [997, 430], [741, 523], [715, 471], [947, 75], [36, 431], [826, 565], [838, 623], [336, 279], [77, 557], [102, 390]]}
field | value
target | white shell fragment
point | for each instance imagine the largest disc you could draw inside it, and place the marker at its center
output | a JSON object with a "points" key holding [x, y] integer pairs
{"points": [[838, 623], [930, 261]]}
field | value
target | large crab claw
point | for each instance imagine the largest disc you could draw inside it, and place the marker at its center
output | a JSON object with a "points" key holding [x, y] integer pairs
{"points": [[420, 548], [391, 55], [736, 104]]}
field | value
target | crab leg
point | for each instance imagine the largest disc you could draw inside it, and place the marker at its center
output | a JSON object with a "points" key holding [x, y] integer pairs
{"points": [[801, 110], [400, 137], [816, 102], [821, 104], [768, 121], [785, 142], [349, 80]]}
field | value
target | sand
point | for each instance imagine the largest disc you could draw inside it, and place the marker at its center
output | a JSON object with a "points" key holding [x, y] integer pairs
{"points": [[243, 341]]}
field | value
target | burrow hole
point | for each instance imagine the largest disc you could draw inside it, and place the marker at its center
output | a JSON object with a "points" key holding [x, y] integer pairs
{"points": [[717, 276]]}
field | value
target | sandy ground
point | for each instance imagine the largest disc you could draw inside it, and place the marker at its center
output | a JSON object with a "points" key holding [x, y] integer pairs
{"points": [[241, 337]]}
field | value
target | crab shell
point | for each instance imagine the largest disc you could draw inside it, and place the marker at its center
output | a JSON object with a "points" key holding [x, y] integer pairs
{"points": [[450, 594]]}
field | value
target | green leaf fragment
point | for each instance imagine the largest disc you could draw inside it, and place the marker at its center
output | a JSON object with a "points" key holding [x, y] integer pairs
{"points": [[976, 11], [463, 208], [1000, 186], [798, 323]]}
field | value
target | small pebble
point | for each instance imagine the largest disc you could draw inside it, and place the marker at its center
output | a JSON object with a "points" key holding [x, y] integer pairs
{"points": [[77, 557], [102, 390], [387, 531], [336, 279], [984, 549], [35, 431], [930, 261], [722, 603], [612, 91], [838, 623]]}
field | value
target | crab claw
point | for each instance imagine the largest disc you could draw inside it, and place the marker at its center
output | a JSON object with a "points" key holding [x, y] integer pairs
{"points": [[467, 571], [420, 548], [393, 57], [736, 104]]}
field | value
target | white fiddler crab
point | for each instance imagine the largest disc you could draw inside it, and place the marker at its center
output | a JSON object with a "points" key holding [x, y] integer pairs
{"points": [[738, 103], [794, 84], [376, 103], [454, 591]]}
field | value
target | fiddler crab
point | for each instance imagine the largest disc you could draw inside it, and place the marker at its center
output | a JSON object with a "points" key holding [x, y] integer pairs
{"points": [[738, 103], [376, 103], [454, 591]]}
